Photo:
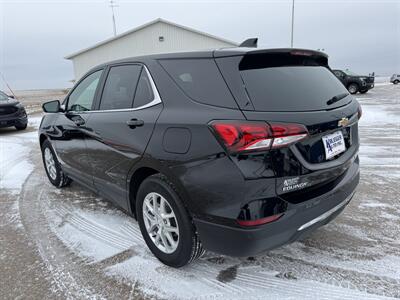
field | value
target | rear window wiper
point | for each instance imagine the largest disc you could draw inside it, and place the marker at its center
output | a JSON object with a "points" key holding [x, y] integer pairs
{"points": [[337, 98]]}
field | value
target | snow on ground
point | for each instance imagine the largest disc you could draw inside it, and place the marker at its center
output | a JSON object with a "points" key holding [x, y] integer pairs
{"points": [[97, 236], [382, 80], [94, 250], [15, 150], [376, 115]]}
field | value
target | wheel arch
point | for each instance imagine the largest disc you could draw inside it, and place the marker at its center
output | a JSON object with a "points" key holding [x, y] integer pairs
{"points": [[143, 170]]}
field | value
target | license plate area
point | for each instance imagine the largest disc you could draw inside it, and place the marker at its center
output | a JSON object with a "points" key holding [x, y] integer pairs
{"points": [[334, 144]]}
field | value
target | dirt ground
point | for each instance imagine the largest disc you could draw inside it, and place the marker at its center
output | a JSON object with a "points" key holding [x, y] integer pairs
{"points": [[71, 244], [33, 99]]}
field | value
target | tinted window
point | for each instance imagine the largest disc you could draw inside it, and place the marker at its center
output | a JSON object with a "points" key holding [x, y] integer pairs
{"points": [[81, 99], [201, 80], [295, 88], [120, 86], [144, 92]]}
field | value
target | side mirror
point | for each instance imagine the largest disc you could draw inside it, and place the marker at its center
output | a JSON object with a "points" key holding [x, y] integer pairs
{"points": [[11, 96], [51, 106]]}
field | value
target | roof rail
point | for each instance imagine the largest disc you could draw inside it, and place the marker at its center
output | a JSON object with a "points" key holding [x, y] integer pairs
{"points": [[251, 43]]}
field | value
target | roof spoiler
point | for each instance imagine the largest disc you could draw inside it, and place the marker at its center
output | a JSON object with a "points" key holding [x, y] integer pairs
{"points": [[251, 43]]}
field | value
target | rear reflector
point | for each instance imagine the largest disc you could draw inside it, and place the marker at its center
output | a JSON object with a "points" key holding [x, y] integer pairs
{"points": [[239, 136], [261, 221]]}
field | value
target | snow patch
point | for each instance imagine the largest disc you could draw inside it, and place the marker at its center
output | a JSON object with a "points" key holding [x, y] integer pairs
{"points": [[14, 157], [373, 114]]}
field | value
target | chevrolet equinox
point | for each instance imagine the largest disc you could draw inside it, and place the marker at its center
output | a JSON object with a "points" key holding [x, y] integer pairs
{"points": [[236, 150]]}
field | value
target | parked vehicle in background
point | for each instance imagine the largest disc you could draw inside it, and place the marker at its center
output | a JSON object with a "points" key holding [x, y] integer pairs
{"points": [[355, 83], [395, 79], [12, 112], [236, 150]]}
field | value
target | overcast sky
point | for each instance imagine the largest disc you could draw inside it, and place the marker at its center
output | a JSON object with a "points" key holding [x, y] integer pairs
{"points": [[36, 35]]}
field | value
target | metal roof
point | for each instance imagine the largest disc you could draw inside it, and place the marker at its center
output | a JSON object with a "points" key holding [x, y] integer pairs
{"points": [[159, 20]]}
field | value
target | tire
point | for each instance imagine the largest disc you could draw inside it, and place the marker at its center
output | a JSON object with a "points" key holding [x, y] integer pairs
{"points": [[396, 81], [23, 127], [352, 88], [185, 246], [53, 170]]}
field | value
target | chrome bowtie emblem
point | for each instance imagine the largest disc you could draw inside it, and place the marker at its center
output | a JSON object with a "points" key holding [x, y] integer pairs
{"points": [[343, 122]]}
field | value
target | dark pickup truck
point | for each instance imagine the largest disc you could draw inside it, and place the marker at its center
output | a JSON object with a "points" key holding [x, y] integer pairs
{"points": [[354, 82]]}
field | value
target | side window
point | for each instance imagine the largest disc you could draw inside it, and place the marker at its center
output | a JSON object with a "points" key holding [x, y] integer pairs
{"points": [[201, 80], [81, 98], [144, 92], [120, 87]]}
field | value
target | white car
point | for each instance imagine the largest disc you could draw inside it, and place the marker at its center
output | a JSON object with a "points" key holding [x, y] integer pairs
{"points": [[395, 78]]}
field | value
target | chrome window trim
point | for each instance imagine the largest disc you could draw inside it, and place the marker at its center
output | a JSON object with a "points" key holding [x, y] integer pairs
{"points": [[155, 101]]}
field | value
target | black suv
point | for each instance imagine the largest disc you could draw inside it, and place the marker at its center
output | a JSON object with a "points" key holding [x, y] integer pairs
{"points": [[235, 150], [12, 113], [355, 83]]}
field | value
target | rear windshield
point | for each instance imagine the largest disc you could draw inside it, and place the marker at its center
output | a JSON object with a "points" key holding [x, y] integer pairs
{"points": [[292, 88], [201, 80]]}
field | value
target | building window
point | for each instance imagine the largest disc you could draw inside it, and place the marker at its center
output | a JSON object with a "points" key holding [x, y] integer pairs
{"points": [[161, 38]]}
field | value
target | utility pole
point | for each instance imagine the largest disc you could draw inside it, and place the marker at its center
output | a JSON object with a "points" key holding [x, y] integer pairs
{"points": [[291, 38], [112, 5]]}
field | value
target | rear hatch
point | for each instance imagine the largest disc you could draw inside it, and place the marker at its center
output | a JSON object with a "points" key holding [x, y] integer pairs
{"points": [[295, 87]]}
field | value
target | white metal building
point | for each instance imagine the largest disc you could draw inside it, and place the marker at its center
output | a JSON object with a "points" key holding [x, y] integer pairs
{"points": [[158, 36]]}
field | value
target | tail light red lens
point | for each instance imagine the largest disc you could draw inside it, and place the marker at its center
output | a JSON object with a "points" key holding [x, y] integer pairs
{"points": [[285, 134], [239, 136]]}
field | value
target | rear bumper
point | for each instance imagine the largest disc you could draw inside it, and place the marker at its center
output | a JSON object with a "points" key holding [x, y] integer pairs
{"points": [[11, 121], [297, 221]]}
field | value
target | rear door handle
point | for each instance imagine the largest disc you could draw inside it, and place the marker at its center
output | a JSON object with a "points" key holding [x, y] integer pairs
{"points": [[134, 123]]}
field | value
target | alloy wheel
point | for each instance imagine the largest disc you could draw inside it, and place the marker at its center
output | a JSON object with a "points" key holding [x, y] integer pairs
{"points": [[50, 164], [160, 222]]}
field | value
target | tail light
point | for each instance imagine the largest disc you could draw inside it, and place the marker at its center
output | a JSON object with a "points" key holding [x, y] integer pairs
{"points": [[239, 136], [286, 134], [359, 112]]}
